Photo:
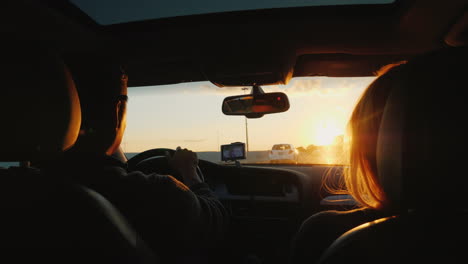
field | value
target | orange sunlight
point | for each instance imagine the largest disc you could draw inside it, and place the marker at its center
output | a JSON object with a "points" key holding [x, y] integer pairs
{"points": [[324, 133]]}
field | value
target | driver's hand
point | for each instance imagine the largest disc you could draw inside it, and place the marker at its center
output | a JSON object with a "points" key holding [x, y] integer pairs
{"points": [[185, 162]]}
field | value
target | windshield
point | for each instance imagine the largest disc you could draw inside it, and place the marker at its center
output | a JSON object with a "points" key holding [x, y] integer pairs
{"points": [[189, 115]]}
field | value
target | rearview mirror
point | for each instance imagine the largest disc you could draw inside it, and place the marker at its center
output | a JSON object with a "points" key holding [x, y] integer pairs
{"points": [[255, 105]]}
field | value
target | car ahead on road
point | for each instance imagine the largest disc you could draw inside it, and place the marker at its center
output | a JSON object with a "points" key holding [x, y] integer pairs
{"points": [[283, 152], [183, 60]]}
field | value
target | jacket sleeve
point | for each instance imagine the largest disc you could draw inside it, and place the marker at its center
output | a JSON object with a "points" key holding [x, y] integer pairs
{"points": [[213, 215], [170, 216]]}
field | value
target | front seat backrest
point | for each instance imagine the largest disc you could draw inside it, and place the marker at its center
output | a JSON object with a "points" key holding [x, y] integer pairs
{"points": [[420, 156], [45, 217]]}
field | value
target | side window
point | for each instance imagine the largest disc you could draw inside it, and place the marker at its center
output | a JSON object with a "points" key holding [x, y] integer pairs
{"points": [[9, 164]]}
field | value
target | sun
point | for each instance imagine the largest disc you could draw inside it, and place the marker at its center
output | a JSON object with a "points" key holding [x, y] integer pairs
{"points": [[325, 133]]}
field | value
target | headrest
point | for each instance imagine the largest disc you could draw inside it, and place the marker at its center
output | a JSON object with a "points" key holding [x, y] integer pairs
{"points": [[40, 110], [100, 80], [422, 136]]}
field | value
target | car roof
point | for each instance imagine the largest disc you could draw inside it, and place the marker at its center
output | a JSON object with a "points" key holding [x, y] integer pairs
{"points": [[267, 46]]}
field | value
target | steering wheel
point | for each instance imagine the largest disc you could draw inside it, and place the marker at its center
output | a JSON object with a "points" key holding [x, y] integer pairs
{"points": [[155, 160]]}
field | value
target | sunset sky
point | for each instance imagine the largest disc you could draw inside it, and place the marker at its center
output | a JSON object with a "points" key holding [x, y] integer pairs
{"points": [[189, 115]]}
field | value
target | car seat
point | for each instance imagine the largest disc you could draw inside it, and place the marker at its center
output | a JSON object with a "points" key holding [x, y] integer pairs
{"points": [[420, 155], [45, 217]]}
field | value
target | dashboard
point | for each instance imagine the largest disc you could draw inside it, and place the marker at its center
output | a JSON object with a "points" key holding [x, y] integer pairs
{"points": [[267, 204]]}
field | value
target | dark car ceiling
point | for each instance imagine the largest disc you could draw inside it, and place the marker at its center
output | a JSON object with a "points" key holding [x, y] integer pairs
{"points": [[243, 48]]}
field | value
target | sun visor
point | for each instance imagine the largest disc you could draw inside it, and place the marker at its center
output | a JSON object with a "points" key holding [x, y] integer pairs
{"points": [[458, 34], [258, 67], [343, 65]]}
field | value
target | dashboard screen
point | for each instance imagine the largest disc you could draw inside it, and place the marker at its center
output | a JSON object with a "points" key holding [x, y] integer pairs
{"points": [[233, 151]]}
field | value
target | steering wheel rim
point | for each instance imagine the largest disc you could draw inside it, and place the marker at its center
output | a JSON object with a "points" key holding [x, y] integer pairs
{"points": [[133, 162]]}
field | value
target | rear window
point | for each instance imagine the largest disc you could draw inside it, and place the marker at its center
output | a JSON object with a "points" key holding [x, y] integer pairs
{"points": [[281, 147]]}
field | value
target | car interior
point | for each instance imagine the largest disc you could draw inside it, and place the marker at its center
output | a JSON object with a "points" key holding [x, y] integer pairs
{"points": [[44, 213], [231, 47]]}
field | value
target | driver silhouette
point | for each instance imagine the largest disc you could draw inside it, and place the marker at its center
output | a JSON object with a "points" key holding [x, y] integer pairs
{"points": [[179, 219]]}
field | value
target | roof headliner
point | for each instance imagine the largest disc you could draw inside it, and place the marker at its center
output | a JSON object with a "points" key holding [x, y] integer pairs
{"points": [[240, 48]]}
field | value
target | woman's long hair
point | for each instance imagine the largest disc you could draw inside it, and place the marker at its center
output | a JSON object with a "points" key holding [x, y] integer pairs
{"points": [[360, 178]]}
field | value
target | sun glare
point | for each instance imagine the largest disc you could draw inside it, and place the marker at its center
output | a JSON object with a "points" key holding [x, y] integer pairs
{"points": [[326, 133]]}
